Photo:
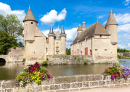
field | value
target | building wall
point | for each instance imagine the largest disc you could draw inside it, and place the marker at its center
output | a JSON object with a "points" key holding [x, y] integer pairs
{"points": [[57, 46], [36, 51], [63, 44], [51, 45], [103, 49], [79, 48]]}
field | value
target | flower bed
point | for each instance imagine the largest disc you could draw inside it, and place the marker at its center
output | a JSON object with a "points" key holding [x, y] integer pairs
{"points": [[117, 71], [33, 73]]}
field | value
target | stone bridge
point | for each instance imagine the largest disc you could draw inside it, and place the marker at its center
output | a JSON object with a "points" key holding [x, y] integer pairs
{"points": [[11, 58]]}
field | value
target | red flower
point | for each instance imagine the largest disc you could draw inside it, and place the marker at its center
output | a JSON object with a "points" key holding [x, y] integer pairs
{"points": [[43, 76]]}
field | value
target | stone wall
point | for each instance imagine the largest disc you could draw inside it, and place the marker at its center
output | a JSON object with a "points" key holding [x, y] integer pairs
{"points": [[69, 59], [61, 83]]}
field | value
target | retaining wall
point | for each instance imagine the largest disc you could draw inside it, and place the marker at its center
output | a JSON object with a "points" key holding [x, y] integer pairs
{"points": [[124, 54], [69, 59], [57, 84]]}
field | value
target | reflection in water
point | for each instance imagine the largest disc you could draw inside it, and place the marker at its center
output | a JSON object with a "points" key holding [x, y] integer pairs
{"points": [[63, 70], [11, 70]]}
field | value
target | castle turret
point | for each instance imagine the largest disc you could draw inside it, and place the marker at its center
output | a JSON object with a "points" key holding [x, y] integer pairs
{"points": [[51, 41], [111, 27], [84, 27], [63, 41], [30, 24], [79, 30]]}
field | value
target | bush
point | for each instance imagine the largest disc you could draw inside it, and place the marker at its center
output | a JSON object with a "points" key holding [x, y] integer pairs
{"points": [[85, 62], [33, 73], [44, 63], [116, 71]]}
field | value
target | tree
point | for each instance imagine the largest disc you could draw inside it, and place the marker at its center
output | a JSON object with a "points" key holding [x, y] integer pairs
{"points": [[67, 51], [6, 42], [20, 44], [11, 25]]}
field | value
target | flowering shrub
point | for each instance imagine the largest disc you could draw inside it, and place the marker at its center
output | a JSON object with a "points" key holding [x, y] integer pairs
{"points": [[33, 73], [116, 71]]}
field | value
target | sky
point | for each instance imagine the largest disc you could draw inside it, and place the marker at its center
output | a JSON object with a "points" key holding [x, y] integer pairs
{"points": [[71, 13]]}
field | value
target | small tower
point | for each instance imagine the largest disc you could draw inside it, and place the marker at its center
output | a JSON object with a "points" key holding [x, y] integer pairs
{"points": [[79, 30], [111, 27], [84, 27], [51, 35], [63, 41], [30, 24]]}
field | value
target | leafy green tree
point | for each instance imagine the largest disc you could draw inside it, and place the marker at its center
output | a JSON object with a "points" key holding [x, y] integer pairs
{"points": [[20, 44], [6, 42], [67, 51], [11, 25]]}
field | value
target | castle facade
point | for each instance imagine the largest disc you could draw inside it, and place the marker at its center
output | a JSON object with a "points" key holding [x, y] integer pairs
{"points": [[97, 40], [37, 45]]}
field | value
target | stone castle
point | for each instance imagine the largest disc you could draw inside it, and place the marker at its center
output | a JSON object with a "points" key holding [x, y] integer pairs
{"points": [[37, 45], [97, 40]]}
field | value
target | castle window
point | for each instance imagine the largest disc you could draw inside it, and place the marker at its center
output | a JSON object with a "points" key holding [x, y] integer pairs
{"points": [[100, 36], [57, 49], [105, 49], [96, 49], [81, 44], [31, 22]]}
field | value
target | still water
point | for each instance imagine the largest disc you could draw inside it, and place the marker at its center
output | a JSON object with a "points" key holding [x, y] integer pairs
{"points": [[11, 70]]}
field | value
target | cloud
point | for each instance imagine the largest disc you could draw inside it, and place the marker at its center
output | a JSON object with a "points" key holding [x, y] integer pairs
{"points": [[122, 18], [6, 9], [122, 46], [125, 28], [53, 16], [101, 16], [126, 2], [71, 34]]}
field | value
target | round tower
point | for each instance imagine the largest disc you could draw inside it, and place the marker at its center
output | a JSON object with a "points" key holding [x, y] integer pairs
{"points": [[84, 27], [51, 45], [30, 24], [79, 30], [63, 41], [111, 27]]}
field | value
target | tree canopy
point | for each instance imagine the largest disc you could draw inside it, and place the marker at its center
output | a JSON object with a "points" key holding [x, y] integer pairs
{"points": [[67, 51], [122, 50], [6, 42], [11, 25]]}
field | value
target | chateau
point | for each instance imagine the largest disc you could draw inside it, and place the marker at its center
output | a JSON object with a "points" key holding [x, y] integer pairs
{"points": [[37, 45], [97, 40]]}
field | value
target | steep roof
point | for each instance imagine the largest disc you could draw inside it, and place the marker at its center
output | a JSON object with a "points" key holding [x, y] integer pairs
{"points": [[29, 16], [111, 19], [79, 28], [95, 29]]}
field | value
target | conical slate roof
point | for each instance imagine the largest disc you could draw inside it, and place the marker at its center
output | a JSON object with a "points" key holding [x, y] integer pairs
{"points": [[79, 28], [29, 16], [62, 31], [51, 31], [111, 19]]}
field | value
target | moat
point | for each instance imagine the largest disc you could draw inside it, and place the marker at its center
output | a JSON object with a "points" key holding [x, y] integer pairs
{"points": [[11, 70]]}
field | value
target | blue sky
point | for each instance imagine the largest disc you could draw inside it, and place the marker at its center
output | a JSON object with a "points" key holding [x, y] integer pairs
{"points": [[71, 13]]}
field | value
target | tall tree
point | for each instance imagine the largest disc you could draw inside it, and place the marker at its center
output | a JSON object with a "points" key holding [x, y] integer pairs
{"points": [[67, 51], [6, 42], [11, 25]]}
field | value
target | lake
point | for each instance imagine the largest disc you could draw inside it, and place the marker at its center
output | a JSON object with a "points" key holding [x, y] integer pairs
{"points": [[11, 70]]}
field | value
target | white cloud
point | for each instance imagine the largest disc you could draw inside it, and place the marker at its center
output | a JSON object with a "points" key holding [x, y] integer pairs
{"points": [[101, 16], [125, 28], [122, 46], [52, 17], [122, 18], [126, 2], [6, 9]]}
